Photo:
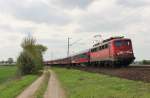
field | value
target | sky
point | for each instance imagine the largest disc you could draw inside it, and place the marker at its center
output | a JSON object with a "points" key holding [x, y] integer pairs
{"points": [[51, 22]]}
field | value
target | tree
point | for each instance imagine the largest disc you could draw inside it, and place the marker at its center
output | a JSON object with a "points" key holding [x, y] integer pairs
{"points": [[31, 59], [145, 62], [25, 63], [3, 61], [10, 60]]}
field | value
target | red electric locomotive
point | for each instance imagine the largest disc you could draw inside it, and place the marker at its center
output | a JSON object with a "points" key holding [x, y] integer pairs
{"points": [[115, 51]]}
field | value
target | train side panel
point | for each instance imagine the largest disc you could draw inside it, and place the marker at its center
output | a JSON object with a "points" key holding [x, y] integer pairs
{"points": [[100, 55], [81, 58]]}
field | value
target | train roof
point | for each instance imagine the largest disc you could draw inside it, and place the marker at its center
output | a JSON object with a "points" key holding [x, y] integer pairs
{"points": [[107, 40], [112, 38]]}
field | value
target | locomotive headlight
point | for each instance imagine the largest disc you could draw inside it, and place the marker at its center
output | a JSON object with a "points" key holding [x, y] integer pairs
{"points": [[119, 53], [123, 52], [130, 52]]}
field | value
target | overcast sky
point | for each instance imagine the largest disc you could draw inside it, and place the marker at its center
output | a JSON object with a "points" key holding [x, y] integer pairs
{"points": [[52, 21]]}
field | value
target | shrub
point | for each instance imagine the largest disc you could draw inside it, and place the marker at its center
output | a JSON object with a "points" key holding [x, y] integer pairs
{"points": [[30, 59], [25, 63]]}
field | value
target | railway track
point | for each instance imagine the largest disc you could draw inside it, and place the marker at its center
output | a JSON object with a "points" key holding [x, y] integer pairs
{"points": [[137, 73]]}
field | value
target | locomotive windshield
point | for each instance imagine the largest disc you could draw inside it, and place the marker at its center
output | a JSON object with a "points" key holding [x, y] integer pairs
{"points": [[119, 43]]}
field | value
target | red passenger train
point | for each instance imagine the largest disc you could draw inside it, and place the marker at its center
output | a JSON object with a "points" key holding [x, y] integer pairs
{"points": [[112, 52]]}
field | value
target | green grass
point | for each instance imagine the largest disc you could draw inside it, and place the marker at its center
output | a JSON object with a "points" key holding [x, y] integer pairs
{"points": [[10, 85], [15, 87], [40, 92], [7, 73], [80, 84]]}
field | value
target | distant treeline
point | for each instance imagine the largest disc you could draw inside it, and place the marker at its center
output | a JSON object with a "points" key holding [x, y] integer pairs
{"points": [[7, 62], [144, 62]]}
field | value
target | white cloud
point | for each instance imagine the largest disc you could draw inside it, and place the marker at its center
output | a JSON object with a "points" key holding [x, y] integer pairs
{"points": [[52, 21]]}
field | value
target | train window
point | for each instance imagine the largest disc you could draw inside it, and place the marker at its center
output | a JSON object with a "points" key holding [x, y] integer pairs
{"points": [[82, 56], [106, 45], [122, 43], [127, 43], [118, 43], [94, 50], [99, 47], [103, 47]]}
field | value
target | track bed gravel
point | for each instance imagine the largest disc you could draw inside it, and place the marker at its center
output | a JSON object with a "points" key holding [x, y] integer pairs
{"points": [[132, 73]]}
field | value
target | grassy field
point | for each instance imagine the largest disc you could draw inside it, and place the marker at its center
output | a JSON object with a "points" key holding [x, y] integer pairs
{"points": [[15, 87], [80, 84], [10, 86], [7, 73]]}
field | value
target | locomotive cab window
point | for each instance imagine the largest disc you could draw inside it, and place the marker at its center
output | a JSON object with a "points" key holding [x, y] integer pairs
{"points": [[118, 43], [127, 43]]}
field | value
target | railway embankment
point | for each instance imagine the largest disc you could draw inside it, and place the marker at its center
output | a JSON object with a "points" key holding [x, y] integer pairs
{"points": [[137, 73]]}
